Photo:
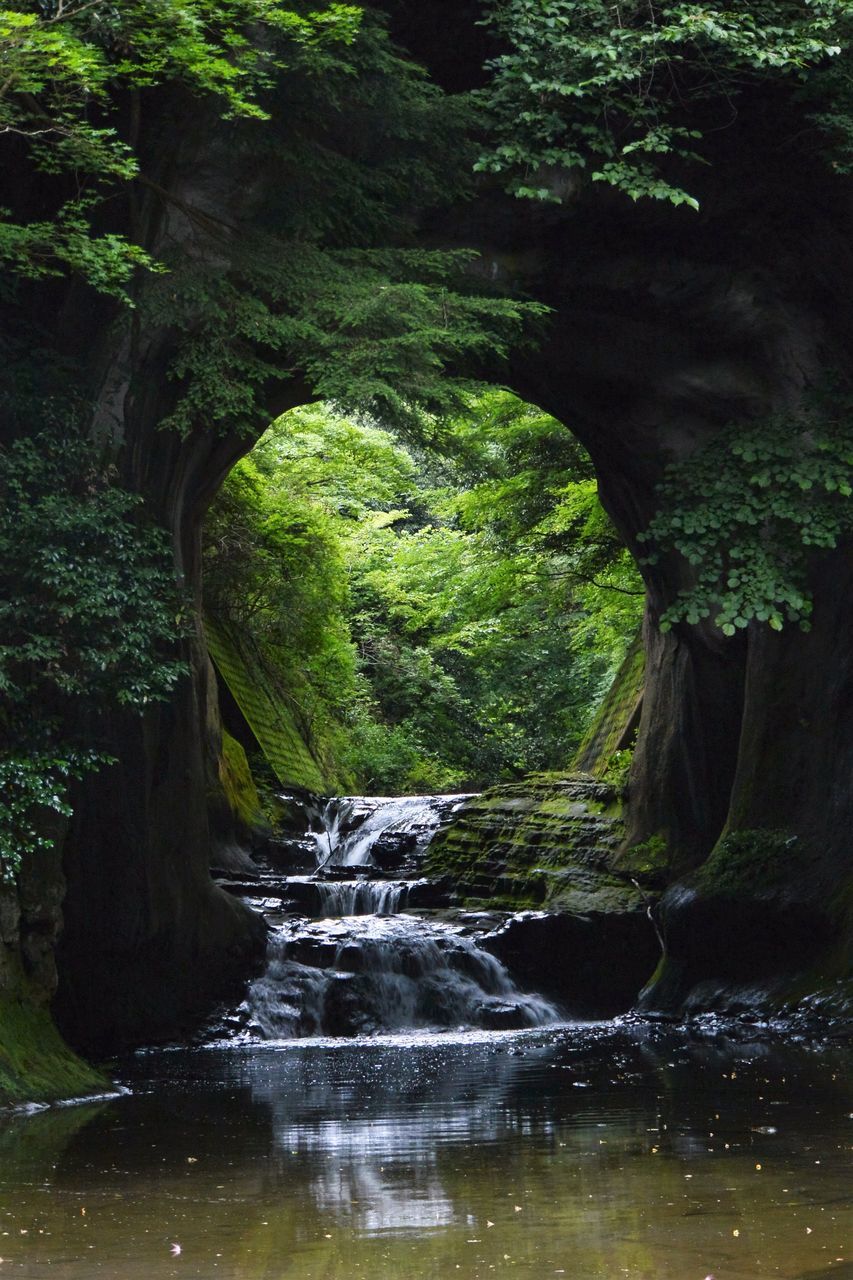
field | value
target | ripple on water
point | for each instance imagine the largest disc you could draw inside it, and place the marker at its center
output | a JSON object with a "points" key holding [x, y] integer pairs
{"points": [[590, 1151]]}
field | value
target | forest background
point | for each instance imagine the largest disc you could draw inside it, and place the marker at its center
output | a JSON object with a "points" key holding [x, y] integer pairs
{"points": [[435, 620]]}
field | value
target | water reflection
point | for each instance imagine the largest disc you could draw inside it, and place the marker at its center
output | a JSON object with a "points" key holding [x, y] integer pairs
{"points": [[584, 1152]]}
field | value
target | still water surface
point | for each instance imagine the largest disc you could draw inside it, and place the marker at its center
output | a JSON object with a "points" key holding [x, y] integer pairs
{"points": [[596, 1151]]}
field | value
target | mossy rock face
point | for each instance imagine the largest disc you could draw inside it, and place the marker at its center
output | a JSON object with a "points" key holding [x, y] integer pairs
{"points": [[756, 929], [263, 705], [614, 725], [647, 863], [750, 862], [734, 955], [239, 785], [551, 840], [36, 1065]]}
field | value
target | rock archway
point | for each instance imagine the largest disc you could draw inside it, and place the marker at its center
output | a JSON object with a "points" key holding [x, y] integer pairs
{"points": [[666, 326]]}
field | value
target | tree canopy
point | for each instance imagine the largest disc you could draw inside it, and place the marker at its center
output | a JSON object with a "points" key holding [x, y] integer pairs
{"points": [[441, 620], [66, 66], [89, 620], [614, 92]]}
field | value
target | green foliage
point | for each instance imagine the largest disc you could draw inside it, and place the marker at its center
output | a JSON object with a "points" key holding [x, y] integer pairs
{"points": [[275, 572], [618, 768], [65, 62], [89, 616], [749, 510], [33, 793], [617, 709], [325, 286], [88, 607], [373, 331], [535, 493], [416, 599], [613, 90]]}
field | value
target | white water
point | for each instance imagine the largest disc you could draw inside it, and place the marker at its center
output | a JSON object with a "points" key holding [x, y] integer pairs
{"points": [[348, 976], [363, 966], [346, 829], [361, 897]]}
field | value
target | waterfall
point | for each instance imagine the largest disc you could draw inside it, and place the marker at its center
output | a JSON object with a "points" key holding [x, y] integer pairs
{"points": [[349, 827], [362, 975], [361, 897], [346, 956]]}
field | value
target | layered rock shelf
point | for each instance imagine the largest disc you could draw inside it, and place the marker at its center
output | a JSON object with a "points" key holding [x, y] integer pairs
{"points": [[548, 841], [551, 844]]}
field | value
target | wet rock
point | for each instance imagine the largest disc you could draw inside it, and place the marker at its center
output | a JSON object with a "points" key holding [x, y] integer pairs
{"points": [[349, 1007], [363, 974], [734, 954], [595, 965], [288, 855], [316, 951], [234, 860], [428, 894], [502, 1015], [549, 840]]}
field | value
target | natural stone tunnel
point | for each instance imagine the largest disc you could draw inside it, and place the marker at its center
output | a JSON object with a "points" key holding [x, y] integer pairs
{"points": [[666, 325]]}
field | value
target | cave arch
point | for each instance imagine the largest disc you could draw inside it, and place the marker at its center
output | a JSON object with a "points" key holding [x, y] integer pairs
{"points": [[665, 327]]}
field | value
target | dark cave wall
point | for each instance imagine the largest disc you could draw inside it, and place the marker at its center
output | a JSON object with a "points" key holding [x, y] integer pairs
{"points": [[148, 940], [662, 335]]}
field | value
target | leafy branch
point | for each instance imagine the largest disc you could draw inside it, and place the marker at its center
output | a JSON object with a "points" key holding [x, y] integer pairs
{"points": [[613, 91], [747, 513]]}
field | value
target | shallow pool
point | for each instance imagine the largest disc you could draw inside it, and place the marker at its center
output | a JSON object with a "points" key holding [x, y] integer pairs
{"points": [[583, 1151]]}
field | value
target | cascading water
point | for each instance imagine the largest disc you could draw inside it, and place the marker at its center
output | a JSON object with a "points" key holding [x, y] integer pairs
{"points": [[361, 897], [351, 828], [353, 976], [360, 965]]}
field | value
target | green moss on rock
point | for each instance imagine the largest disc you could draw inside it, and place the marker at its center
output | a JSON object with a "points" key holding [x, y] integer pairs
{"points": [[648, 862], [748, 861], [238, 783], [549, 841], [263, 704], [36, 1065], [616, 720]]}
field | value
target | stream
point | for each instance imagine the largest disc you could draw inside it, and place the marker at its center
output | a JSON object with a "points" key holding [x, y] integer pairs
{"points": [[387, 1103]]}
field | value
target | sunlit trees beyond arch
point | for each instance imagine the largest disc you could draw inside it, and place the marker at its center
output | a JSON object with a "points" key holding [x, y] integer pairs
{"points": [[442, 620]]}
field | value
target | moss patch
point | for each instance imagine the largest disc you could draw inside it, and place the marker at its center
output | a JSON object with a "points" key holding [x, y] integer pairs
{"points": [[36, 1065], [550, 841], [749, 861], [264, 706], [616, 720], [647, 862], [238, 783]]}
